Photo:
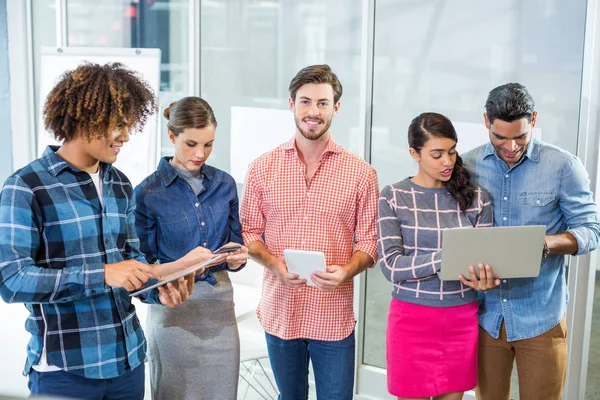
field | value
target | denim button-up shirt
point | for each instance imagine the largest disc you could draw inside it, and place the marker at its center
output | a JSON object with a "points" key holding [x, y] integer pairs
{"points": [[171, 220], [550, 187]]}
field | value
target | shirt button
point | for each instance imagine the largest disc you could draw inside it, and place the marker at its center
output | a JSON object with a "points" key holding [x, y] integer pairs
{"points": [[505, 300], [504, 281], [106, 241], [197, 204], [505, 198], [504, 218], [204, 244], [506, 176], [537, 202], [202, 223]]}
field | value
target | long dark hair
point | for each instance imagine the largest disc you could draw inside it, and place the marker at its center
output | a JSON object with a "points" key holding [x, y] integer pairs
{"points": [[430, 125]]}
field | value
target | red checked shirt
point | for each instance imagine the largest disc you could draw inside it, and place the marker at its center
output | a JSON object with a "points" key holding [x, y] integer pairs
{"points": [[336, 214]]}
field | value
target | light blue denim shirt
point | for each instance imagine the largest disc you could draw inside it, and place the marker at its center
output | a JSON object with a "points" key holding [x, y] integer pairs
{"points": [[549, 186]]}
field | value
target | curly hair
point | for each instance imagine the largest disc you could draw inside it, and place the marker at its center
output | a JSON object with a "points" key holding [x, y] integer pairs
{"points": [[94, 99]]}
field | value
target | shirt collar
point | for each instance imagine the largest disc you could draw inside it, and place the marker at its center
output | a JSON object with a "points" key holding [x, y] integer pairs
{"points": [[532, 153], [56, 165], [332, 146], [168, 174]]}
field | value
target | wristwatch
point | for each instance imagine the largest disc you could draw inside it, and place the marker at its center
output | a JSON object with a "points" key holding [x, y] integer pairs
{"points": [[546, 251]]}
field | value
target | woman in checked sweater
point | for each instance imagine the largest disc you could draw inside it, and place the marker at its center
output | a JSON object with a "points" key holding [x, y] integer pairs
{"points": [[432, 324]]}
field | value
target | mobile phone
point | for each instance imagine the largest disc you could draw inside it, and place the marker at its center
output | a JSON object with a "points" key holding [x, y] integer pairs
{"points": [[227, 248]]}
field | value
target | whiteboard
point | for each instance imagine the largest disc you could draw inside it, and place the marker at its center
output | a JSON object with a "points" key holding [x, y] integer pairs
{"points": [[138, 157], [255, 131]]}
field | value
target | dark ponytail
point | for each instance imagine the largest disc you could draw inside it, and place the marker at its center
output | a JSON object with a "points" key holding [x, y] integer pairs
{"points": [[428, 125]]}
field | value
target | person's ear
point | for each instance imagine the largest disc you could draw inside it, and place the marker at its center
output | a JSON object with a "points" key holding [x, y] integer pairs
{"points": [[414, 154]]}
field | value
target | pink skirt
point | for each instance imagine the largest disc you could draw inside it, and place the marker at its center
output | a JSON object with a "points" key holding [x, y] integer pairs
{"points": [[430, 350]]}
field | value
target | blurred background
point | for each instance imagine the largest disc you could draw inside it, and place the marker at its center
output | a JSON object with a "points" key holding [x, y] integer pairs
{"points": [[395, 59]]}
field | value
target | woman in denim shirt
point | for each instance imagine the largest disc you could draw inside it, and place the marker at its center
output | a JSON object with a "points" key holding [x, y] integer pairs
{"points": [[194, 349]]}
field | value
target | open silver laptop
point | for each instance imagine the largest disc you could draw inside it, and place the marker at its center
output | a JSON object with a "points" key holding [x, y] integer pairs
{"points": [[511, 251]]}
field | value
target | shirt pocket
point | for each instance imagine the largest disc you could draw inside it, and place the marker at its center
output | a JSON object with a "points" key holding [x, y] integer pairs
{"points": [[220, 218], [175, 231], [538, 206]]}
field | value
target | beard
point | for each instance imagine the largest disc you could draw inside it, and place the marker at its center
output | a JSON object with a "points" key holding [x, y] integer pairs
{"points": [[313, 134]]}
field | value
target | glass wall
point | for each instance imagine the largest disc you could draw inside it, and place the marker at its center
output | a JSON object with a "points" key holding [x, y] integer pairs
{"points": [[593, 371], [43, 17], [250, 50], [5, 152], [445, 57], [428, 56], [116, 23]]}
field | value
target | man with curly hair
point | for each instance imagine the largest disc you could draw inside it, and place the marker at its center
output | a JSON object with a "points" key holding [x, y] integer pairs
{"points": [[68, 246]]}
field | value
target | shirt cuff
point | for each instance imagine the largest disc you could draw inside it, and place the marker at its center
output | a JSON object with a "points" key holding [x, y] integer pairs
{"points": [[370, 249], [252, 237], [237, 269], [581, 236], [93, 275]]}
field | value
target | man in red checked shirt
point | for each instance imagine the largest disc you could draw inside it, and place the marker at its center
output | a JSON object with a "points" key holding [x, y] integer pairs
{"points": [[311, 194]]}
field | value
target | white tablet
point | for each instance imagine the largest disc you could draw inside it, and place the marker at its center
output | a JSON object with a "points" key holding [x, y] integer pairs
{"points": [[177, 275], [304, 263], [511, 251]]}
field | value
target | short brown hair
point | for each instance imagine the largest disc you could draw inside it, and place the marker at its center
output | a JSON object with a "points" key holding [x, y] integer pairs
{"points": [[316, 74], [189, 112], [93, 100]]}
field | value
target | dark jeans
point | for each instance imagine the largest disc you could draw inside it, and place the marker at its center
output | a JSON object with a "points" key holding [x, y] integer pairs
{"points": [[129, 386], [333, 366]]}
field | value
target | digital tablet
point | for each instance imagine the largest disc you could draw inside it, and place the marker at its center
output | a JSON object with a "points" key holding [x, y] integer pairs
{"points": [[511, 251], [304, 263], [177, 275]]}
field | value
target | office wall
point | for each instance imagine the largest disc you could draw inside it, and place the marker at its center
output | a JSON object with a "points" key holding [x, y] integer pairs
{"points": [[5, 131]]}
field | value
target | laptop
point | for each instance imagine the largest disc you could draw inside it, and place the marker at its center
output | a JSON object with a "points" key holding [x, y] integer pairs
{"points": [[511, 251]]}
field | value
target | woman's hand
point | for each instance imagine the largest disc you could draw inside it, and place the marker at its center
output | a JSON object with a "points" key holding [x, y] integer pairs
{"points": [[198, 255], [237, 258]]}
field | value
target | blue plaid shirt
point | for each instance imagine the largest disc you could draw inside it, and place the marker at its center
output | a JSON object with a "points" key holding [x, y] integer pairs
{"points": [[55, 237]]}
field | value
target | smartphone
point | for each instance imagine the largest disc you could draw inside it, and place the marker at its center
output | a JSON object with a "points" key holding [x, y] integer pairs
{"points": [[227, 248]]}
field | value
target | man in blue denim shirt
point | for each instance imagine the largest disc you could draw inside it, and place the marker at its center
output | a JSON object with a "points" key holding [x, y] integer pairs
{"points": [[532, 183]]}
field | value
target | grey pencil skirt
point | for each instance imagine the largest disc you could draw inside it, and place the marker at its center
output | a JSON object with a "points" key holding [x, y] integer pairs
{"points": [[194, 349]]}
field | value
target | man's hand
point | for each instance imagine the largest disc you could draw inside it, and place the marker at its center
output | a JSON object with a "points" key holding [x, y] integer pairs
{"points": [[237, 258], [174, 293], [279, 269], [130, 274], [485, 281], [328, 281]]}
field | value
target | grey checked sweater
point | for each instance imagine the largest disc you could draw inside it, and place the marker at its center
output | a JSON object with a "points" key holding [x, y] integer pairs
{"points": [[409, 230]]}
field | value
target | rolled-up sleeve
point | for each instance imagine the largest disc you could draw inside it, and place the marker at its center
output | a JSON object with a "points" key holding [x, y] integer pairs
{"points": [[578, 206], [251, 210], [366, 216]]}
